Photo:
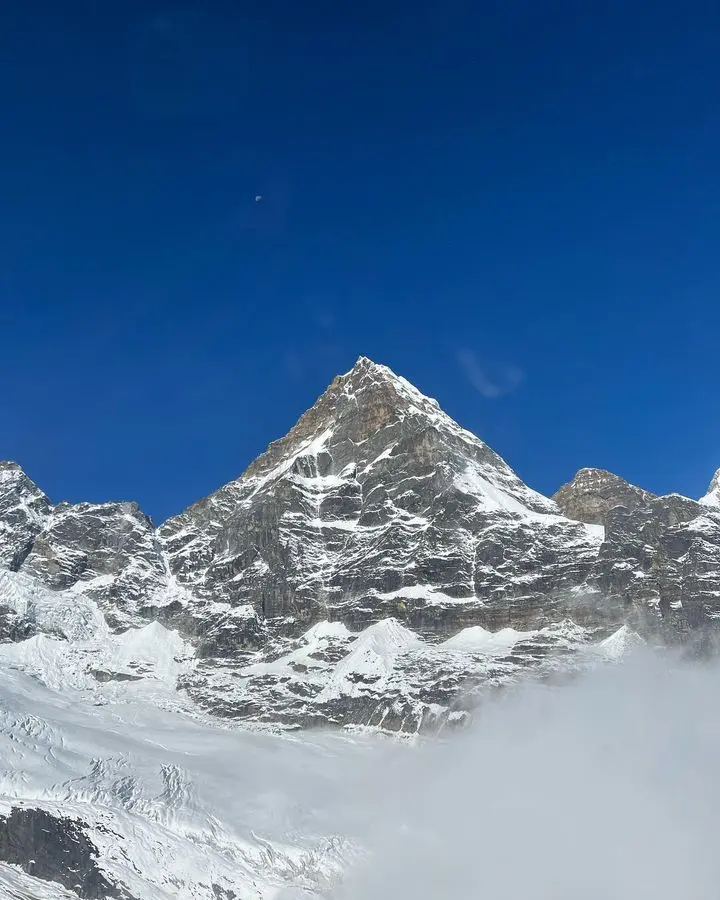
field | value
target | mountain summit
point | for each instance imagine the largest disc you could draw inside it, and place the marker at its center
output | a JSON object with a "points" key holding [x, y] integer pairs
{"points": [[374, 493], [371, 566], [594, 492]]}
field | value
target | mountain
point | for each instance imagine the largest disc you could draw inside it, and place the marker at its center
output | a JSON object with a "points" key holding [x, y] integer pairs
{"points": [[594, 492], [376, 503], [378, 569], [377, 522]]}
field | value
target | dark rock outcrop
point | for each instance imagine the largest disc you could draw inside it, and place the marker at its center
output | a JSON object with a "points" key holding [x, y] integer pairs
{"points": [[55, 849], [110, 548], [24, 511], [594, 492]]}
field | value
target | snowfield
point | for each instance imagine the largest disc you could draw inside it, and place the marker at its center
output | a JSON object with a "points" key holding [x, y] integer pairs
{"points": [[603, 773], [175, 803], [177, 806]]}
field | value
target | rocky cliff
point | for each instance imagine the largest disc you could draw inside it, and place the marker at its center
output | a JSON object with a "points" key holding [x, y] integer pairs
{"points": [[362, 568], [593, 493]]}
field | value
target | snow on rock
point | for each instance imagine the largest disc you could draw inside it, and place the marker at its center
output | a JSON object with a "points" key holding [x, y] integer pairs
{"points": [[24, 512], [712, 498], [478, 640], [152, 650], [494, 497], [161, 804], [67, 613], [596, 532], [371, 659], [75, 648], [326, 631], [309, 655], [109, 550], [623, 641], [375, 507], [372, 481], [704, 526], [424, 592], [147, 658]]}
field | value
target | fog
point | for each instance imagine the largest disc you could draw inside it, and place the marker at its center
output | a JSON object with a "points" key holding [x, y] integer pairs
{"points": [[604, 788]]}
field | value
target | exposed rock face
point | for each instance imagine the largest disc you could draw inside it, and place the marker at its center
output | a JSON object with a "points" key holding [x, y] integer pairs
{"points": [[24, 510], [110, 549], [55, 849], [594, 492], [375, 508], [665, 561], [378, 504]]}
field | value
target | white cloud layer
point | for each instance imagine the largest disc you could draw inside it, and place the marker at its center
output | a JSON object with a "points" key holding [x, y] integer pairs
{"points": [[606, 789]]}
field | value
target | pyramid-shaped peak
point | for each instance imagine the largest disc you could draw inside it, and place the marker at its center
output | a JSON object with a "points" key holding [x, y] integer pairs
{"points": [[15, 483], [9, 469], [366, 369], [371, 421], [596, 477], [12, 476], [594, 492], [364, 364], [355, 407], [366, 376]]}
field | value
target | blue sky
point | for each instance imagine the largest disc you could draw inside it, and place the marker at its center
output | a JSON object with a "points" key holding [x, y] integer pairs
{"points": [[514, 204]]}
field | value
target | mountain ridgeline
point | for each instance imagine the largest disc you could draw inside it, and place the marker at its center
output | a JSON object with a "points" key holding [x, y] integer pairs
{"points": [[378, 565]]}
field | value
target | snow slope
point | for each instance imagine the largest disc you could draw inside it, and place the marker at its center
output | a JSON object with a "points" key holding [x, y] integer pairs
{"points": [[177, 806], [712, 498], [95, 736]]}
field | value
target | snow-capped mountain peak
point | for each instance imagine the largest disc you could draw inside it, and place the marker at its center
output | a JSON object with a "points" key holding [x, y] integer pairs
{"points": [[380, 514], [374, 471], [378, 567]]}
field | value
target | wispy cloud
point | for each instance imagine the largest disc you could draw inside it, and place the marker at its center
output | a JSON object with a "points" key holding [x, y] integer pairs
{"points": [[490, 382]]}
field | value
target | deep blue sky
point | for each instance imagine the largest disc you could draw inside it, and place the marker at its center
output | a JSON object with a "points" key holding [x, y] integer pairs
{"points": [[464, 191]]}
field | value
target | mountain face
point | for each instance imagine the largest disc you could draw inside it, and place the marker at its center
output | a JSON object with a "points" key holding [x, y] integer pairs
{"points": [[378, 565], [593, 493], [378, 568], [375, 504], [24, 510]]}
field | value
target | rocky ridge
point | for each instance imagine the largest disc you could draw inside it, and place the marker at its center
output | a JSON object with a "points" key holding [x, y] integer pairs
{"points": [[328, 582], [594, 492]]}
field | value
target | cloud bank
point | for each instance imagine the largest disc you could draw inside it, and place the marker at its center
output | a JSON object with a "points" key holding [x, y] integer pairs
{"points": [[605, 789]]}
